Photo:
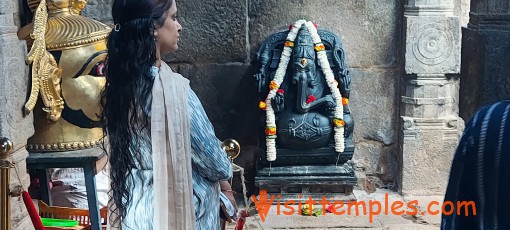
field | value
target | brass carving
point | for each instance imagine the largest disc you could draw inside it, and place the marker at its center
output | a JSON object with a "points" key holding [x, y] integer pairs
{"points": [[63, 146], [46, 75], [67, 53]]}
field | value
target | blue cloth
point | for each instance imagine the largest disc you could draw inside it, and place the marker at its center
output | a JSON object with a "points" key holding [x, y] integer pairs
{"points": [[480, 172], [210, 165], [231, 210]]}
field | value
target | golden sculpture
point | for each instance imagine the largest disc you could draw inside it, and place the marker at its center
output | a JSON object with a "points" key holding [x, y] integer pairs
{"points": [[67, 53]]}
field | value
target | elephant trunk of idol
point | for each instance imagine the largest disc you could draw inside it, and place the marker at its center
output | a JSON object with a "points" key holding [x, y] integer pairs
{"points": [[302, 83]]}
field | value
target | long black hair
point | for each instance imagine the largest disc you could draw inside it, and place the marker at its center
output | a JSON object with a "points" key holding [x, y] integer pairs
{"points": [[127, 95]]}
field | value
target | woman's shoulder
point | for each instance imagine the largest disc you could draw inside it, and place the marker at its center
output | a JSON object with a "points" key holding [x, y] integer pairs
{"points": [[165, 69]]}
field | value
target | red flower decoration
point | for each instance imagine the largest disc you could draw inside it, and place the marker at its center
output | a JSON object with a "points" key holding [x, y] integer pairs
{"points": [[280, 91], [329, 208], [310, 99], [290, 26], [271, 131]]}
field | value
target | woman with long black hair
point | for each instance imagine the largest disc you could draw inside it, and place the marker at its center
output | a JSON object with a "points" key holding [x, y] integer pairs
{"points": [[166, 162]]}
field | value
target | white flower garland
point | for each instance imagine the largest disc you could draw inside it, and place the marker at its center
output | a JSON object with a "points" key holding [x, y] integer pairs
{"points": [[278, 79]]}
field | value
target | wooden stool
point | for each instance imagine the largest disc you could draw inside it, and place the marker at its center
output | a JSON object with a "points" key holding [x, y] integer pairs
{"points": [[86, 159]]}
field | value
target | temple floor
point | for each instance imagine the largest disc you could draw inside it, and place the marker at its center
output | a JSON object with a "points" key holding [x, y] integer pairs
{"points": [[358, 222]]}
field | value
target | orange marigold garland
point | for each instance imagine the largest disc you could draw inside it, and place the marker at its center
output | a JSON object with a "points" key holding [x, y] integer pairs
{"points": [[271, 131], [262, 105], [273, 85], [320, 47], [333, 86], [337, 122], [345, 101]]}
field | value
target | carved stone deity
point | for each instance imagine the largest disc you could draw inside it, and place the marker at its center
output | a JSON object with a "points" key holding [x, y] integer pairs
{"points": [[67, 53], [305, 114], [304, 105]]}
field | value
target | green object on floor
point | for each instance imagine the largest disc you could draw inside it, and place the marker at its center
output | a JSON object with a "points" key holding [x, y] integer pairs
{"points": [[50, 222], [305, 211]]}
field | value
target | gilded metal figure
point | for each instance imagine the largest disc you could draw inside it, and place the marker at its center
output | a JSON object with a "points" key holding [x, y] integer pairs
{"points": [[67, 53]]}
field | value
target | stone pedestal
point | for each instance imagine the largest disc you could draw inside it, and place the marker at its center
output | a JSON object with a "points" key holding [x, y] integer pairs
{"points": [[321, 172], [299, 182], [430, 125]]}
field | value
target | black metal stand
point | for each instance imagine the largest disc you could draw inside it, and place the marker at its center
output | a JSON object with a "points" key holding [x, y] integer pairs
{"points": [[85, 159]]}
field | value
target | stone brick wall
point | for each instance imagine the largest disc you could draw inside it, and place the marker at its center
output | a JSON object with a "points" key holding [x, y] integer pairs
{"points": [[100, 10], [219, 41], [217, 51], [485, 56]]}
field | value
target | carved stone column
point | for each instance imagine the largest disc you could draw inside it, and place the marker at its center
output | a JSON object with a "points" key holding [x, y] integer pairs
{"points": [[13, 90], [485, 56], [430, 124]]}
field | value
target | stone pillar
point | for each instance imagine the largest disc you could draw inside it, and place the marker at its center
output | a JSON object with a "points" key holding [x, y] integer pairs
{"points": [[462, 10], [485, 56], [430, 124], [13, 92]]}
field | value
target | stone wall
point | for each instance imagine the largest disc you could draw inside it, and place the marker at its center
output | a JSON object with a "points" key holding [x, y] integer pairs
{"points": [[219, 42], [370, 32], [218, 45], [13, 93], [485, 56], [217, 51], [100, 10]]}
